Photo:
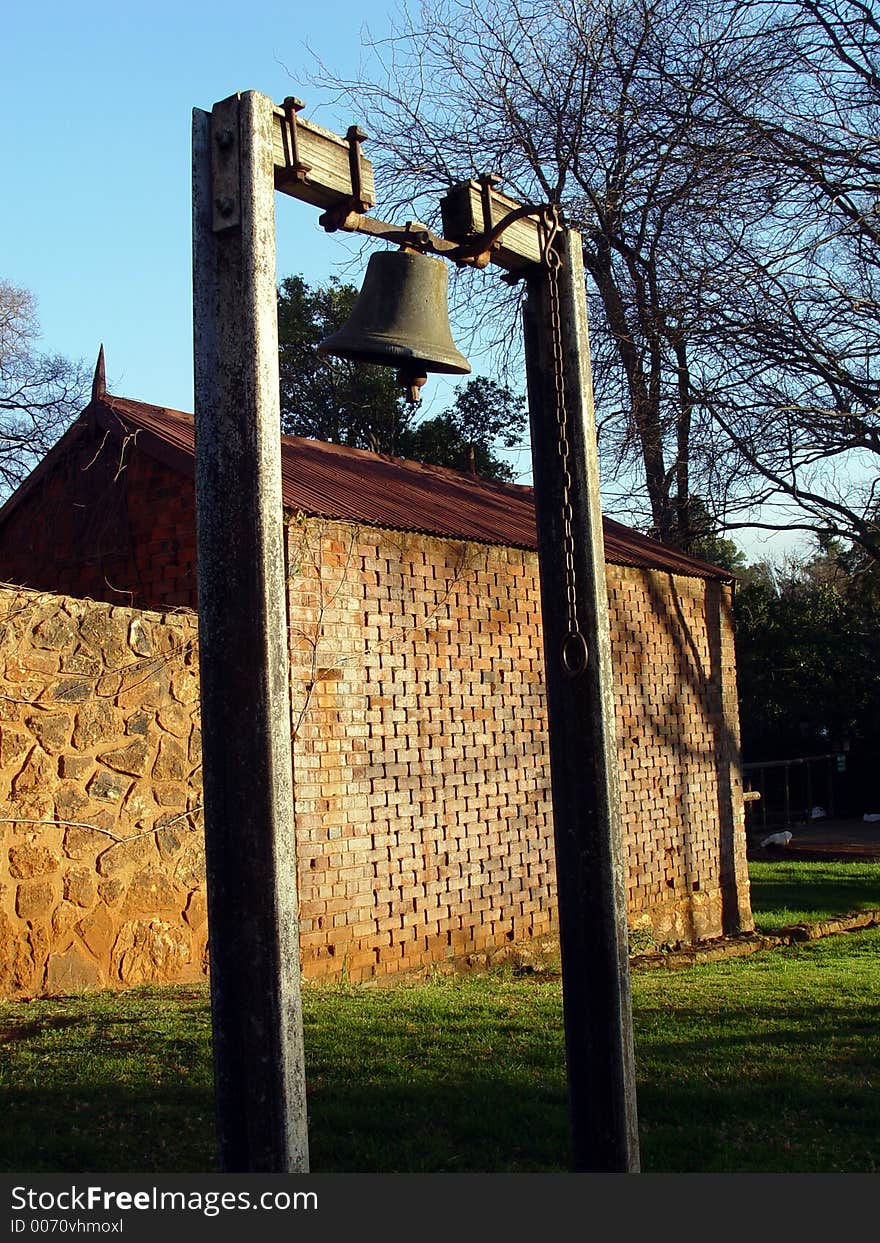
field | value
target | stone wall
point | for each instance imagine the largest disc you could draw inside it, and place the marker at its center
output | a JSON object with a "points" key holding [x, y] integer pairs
{"points": [[101, 845]]}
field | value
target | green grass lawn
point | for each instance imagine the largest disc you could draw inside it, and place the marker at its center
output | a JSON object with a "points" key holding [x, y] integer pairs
{"points": [[792, 892], [765, 1063]]}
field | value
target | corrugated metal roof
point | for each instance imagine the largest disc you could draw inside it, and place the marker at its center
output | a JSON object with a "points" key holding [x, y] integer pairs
{"points": [[333, 481]]}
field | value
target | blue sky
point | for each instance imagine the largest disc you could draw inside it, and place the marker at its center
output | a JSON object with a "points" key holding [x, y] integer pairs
{"points": [[95, 214], [96, 150]]}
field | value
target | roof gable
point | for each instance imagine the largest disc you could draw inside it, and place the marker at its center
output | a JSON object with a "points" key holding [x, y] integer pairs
{"points": [[333, 481]]}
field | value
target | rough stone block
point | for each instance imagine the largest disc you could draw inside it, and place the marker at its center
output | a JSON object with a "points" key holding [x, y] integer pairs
{"points": [[171, 762], [196, 913], [71, 802], [185, 685], [170, 794], [150, 951], [52, 730], [84, 842], [124, 856], [72, 972], [58, 630], [72, 690], [175, 719], [150, 892], [110, 891], [146, 686], [74, 767], [189, 868], [80, 887], [63, 918], [16, 963], [31, 787], [95, 722], [14, 745], [34, 899], [81, 662], [131, 759], [109, 787], [140, 637], [98, 931], [31, 860]]}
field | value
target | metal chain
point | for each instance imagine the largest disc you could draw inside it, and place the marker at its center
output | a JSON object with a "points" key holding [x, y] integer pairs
{"points": [[574, 645]]}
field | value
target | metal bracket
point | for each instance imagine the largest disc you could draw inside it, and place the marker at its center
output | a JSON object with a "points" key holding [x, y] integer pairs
{"points": [[294, 169], [225, 185], [356, 204]]}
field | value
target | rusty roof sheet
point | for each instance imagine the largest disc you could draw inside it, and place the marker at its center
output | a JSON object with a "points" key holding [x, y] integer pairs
{"points": [[333, 481]]}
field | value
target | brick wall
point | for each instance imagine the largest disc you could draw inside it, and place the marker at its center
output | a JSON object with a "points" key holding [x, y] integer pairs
{"points": [[106, 523], [678, 739], [420, 756], [421, 751]]}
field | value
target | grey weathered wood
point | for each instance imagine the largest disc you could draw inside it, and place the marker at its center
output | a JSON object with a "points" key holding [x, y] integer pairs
{"points": [[462, 212], [583, 751], [248, 787], [328, 180]]}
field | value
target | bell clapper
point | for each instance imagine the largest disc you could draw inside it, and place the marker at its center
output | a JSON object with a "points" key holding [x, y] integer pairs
{"points": [[411, 381]]}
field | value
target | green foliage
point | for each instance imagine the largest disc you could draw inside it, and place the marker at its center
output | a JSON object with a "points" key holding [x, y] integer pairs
{"points": [[808, 659], [333, 399], [483, 414], [361, 405]]}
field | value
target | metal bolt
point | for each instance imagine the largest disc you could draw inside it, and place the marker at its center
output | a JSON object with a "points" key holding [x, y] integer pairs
{"points": [[225, 139], [225, 206]]}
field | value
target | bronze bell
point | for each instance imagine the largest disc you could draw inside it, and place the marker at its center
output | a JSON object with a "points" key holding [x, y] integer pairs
{"points": [[401, 319]]}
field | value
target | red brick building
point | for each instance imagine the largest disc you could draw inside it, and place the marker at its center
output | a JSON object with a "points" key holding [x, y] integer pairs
{"points": [[421, 752]]}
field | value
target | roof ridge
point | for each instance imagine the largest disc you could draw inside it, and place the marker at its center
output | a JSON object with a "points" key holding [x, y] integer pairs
{"points": [[359, 486]]}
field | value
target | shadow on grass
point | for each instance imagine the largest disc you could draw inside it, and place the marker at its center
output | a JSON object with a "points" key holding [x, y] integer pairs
{"points": [[766, 1064], [830, 889], [788, 1090], [352, 1128], [108, 1129]]}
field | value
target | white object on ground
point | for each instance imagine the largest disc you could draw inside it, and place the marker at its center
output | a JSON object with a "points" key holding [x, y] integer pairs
{"points": [[777, 839], [871, 815]]}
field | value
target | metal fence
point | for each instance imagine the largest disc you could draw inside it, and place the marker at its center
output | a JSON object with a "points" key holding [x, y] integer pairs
{"points": [[789, 790]]}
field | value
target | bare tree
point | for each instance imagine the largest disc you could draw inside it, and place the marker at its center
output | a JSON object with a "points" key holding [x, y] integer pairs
{"points": [[718, 158], [39, 393], [802, 401], [605, 110]]}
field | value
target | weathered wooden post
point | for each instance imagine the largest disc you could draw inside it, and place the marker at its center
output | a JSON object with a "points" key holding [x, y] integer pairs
{"points": [[583, 753], [248, 788], [238, 151]]}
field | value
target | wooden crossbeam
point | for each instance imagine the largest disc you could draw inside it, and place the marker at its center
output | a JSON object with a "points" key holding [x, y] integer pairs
{"points": [[464, 216], [323, 179], [326, 158]]}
